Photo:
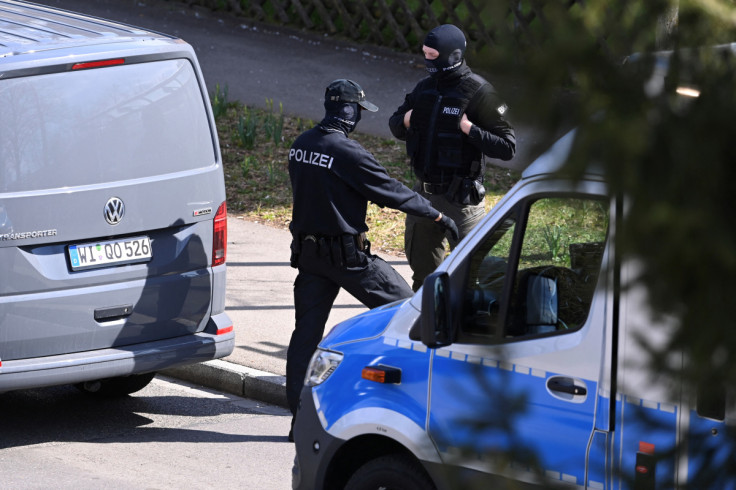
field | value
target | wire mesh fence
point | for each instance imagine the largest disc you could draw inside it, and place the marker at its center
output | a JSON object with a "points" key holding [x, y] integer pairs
{"points": [[396, 24]]}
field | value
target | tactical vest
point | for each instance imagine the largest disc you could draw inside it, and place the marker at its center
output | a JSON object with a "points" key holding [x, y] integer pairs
{"points": [[438, 148]]}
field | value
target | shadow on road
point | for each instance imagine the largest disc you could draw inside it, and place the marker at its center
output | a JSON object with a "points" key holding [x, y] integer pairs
{"points": [[64, 414]]}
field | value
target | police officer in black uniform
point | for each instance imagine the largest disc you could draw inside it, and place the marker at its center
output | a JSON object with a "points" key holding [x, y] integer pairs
{"points": [[450, 120], [332, 180]]}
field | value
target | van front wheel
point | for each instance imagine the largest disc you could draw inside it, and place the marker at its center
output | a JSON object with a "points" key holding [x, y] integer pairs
{"points": [[392, 472], [114, 387]]}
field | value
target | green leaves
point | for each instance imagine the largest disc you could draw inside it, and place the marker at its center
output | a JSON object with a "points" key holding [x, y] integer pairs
{"points": [[669, 151]]}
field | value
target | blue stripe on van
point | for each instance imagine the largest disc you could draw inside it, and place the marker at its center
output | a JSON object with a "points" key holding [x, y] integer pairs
{"points": [[638, 420], [489, 391]]}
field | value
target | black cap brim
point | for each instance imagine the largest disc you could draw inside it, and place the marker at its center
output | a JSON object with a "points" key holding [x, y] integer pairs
{"points": [[368, 106]]}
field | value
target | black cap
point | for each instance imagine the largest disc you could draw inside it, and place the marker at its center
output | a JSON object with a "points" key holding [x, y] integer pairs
{"points": [[343, 90]]}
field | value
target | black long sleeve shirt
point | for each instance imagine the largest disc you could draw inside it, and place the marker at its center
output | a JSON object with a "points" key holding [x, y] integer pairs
{"points": [[333, 178]]}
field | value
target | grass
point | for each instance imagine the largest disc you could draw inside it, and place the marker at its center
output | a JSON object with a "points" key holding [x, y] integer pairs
{"points": [[255, 144]]}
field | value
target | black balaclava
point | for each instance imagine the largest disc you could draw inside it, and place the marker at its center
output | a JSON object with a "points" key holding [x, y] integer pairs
{"points": [[344, 100], [340, 116], [450, 42]]}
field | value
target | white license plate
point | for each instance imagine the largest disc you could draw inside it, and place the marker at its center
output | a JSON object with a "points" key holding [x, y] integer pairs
{"points": [[112, 252]]}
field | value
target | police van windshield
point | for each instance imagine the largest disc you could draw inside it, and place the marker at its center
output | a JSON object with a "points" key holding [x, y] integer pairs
{"points": [[102, 125]]}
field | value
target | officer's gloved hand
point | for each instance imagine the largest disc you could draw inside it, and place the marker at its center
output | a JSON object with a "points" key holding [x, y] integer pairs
{"points": [[447, 224]]}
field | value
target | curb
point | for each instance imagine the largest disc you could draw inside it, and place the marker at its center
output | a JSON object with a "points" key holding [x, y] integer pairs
{"points": [[234, 378]]}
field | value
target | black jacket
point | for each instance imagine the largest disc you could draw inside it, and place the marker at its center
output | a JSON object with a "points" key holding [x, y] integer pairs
{"points": [[491, 134], [332, 180]]}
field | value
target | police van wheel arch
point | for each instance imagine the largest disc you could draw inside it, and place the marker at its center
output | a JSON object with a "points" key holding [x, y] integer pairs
{"points": [[391, 471], [386, 423]]}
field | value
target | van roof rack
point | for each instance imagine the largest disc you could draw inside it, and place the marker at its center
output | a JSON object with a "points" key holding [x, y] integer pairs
{"points": [[26, 27]]}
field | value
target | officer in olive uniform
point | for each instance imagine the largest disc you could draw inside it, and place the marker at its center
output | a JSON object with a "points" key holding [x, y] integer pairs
{"points": [[332, 180], [449, 121]]}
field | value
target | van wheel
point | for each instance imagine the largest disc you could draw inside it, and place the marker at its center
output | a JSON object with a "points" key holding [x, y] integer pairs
{"points": [[392, 472], [114, 387]]}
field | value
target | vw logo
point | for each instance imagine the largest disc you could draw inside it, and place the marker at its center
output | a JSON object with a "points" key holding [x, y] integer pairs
{"points": [[114, 210]]}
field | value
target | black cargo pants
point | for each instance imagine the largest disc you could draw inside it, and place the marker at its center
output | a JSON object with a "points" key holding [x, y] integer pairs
{"points": [[325, 265]]}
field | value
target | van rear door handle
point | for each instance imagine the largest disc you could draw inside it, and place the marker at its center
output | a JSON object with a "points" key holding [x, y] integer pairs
{"points": [[566, 385], [113, 313]]}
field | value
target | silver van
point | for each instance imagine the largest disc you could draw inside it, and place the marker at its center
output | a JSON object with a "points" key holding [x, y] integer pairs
{"points": [[113, 222]]}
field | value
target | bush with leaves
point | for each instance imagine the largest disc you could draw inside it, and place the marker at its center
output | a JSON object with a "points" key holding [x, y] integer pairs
{"points": [[671, 155]]}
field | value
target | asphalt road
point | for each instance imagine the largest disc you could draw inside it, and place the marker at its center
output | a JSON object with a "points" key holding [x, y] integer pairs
{"points": [[170, 435]]}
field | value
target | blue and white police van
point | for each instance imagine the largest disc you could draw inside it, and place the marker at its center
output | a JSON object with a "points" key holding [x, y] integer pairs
{"points": [[520, 363]]}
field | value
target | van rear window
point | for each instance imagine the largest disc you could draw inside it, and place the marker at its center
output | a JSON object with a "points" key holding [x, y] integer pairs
{"points": [[102, 125]]}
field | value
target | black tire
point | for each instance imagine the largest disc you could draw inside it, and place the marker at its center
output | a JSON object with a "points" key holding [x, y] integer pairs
{"points": [[392, 472], [116, 387]]}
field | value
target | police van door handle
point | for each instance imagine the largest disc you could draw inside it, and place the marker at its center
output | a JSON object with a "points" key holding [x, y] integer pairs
{"points": [[568, 386]]}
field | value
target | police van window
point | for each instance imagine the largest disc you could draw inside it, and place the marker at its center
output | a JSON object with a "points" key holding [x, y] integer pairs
{"points": [[484, 294], [544, 285]]}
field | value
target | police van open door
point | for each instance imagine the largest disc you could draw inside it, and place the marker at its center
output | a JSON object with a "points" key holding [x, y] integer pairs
{"points": [[522, 390]]}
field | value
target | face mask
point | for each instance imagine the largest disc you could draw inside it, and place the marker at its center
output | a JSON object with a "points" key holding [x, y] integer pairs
{"points": [[350, 112], [438, 65], [341, 115]]}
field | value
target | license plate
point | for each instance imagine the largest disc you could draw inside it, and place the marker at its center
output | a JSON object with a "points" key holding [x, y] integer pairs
{"points": [[112, 252]]}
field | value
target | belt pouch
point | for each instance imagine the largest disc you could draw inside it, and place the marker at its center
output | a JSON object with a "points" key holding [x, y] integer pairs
{"points": [[477, 193], [323, 250], [351, 254], [465, 191], [336, 252], [295, 249]]}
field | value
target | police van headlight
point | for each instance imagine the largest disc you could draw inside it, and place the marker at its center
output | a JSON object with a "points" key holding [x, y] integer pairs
{"points": [[322, 365]]}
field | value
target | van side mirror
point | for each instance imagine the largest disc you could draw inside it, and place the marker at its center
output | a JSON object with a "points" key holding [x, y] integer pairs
{"points": [[436, 318]]}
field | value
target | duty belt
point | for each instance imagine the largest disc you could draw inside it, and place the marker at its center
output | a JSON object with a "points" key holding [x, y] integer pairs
{"points": [[361, 240], [431, 188], [342, 249]]}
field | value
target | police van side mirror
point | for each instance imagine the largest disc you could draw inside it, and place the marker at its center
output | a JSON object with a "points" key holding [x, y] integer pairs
{"points": [[436, 315]]}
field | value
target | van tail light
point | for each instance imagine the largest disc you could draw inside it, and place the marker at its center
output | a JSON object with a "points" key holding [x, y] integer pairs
{"points": [[223, 331], [219, 238], [98, 64]]}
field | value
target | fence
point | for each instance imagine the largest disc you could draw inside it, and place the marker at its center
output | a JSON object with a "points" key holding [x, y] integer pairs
{"points": [[396, 24]]}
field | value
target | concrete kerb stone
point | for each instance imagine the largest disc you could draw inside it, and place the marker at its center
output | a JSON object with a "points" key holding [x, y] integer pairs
{"points": [[236, 379]]}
